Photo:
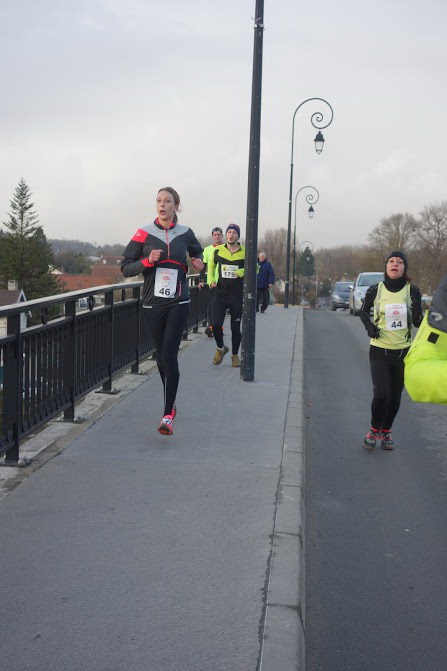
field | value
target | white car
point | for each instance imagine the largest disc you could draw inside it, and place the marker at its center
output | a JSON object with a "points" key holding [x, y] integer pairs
{"points": [[358, 291]]}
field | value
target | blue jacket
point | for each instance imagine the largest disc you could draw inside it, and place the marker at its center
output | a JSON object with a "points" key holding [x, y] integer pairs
{"points": [[266, 275]]}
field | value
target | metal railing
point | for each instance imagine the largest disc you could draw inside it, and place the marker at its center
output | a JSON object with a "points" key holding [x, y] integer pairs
{"points": [[46, 368]]}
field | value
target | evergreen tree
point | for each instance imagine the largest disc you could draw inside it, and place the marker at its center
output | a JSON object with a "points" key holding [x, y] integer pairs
{"points": [[25, 255], [306, 263]]}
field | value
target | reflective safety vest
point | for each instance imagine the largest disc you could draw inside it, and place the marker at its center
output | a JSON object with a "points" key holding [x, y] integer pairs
{"points": [[426, 365], [392, 314]]}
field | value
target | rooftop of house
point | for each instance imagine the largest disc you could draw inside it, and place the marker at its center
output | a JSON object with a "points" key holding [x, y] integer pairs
{"points": [[8, 297]]}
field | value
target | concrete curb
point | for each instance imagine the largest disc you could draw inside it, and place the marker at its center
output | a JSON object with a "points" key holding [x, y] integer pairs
{"points": [[283, 644]]}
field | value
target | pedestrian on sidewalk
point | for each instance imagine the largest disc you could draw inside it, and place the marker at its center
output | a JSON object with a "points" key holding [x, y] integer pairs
{"points": [[217, 238], [226, 275], [265, 281], [397, 306], [158, 251], [426, 362]]}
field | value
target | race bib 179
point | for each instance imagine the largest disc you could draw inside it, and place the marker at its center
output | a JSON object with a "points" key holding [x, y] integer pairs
{"points": [[229, 272]]}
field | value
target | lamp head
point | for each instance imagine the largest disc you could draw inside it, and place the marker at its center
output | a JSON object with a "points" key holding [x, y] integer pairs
{"points": [[311, 212], [319, 142]]}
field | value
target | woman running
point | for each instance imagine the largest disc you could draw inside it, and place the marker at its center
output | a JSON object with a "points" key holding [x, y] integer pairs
{"points": [[159, 252], [396, 305]]}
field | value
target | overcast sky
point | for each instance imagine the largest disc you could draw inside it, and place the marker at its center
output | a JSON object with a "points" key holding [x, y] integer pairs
{"points": [[105, 101]]}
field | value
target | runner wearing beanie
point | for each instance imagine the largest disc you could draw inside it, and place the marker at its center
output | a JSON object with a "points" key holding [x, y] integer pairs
{"points": [[226, 274], [217, 238], [396, 305]]}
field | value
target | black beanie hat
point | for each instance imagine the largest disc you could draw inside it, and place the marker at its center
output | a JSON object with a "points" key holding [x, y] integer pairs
{"points": [[401, 255], [234, 227]]}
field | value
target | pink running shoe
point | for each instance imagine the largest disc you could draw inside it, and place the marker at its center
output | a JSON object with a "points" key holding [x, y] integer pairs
{"points": [[166, 427]]}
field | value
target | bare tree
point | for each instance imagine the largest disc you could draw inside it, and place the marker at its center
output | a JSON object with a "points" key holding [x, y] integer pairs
{"points": [[274, 244], [432, 245], [397, 231], [345, 262]]}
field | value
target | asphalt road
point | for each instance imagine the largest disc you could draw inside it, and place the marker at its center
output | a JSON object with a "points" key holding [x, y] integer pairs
{"points": [[376, 523]]}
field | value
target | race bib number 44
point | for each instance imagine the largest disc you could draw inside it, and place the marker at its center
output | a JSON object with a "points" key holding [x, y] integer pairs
{"points": [[396, 316], [229, 272], [165, 282]]}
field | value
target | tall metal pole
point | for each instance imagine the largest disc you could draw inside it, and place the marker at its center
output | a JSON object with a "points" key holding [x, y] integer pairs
{"points": [[251, 236], [316, 120]]}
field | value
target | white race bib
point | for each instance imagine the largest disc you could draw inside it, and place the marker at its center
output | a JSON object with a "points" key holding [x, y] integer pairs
{"points": [[165, 282], [229, 272], [396, 316]]}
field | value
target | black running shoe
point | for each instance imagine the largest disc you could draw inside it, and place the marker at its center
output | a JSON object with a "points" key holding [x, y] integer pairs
{"points": [[369, 442], [387, 441]]}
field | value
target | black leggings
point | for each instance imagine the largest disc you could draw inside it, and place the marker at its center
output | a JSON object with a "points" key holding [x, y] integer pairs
{"points": [[218, 311], [263, 297], [209, 305], [387, 371], [167, 326]]}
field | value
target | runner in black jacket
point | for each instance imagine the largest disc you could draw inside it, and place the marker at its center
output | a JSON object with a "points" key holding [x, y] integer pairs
{"points": [[158, 251]]}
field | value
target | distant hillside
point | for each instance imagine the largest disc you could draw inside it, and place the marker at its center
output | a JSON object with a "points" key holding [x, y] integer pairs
{"points": [[86, 248]]}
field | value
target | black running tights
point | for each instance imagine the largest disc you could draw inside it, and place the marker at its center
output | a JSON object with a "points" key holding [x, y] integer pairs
{"points": [[166, 326], [218, 311], [387, 373]]}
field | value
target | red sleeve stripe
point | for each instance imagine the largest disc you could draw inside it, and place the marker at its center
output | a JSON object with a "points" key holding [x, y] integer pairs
{"points": [[140, 235], [146, 263]]}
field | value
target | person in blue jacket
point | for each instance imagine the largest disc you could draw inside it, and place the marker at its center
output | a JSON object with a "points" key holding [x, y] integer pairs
{"points": [[265, 280]]}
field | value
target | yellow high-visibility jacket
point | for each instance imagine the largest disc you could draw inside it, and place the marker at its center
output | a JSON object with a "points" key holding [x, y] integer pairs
{"points": [[426, 362]]}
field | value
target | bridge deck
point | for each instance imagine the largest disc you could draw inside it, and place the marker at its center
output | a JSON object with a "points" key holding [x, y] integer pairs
{"points": [[131, 550]]}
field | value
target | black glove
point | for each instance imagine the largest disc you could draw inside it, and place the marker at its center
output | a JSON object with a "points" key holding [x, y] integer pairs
{"points": [[373, 331]]}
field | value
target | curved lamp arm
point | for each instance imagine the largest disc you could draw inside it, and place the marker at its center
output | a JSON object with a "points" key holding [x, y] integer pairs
{"points": [[316, 119]]}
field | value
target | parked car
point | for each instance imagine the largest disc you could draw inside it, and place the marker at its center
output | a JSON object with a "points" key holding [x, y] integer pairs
{"points": [[340, 295], [358, 291]]}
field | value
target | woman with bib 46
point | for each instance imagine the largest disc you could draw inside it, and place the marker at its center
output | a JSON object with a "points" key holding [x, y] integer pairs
{"points": [[396, 306], [159, 252]]}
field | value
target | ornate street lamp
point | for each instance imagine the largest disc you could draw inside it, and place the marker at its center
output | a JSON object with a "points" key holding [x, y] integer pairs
{"points": [[316, 119], [310, 198]]}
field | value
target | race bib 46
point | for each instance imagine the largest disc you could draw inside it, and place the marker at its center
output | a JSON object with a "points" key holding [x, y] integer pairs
{"points": [[165, 282]]}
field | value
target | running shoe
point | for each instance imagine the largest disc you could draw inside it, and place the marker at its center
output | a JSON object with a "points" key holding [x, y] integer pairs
{"points": [[387, 441], [220, 353], [369, 442], [166, 427], [209, 331], [235, 361]]}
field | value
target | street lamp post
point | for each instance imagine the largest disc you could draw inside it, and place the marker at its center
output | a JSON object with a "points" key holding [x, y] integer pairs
{"points": [[316, 285], [251, 238], [310, 198], [316, 119]]}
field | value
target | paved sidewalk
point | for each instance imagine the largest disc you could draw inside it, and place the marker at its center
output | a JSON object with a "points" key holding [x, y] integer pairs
{"points": [[131, 550]]}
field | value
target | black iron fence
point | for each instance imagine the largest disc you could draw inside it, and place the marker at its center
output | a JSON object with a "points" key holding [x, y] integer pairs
{"points": [[83, 339]]}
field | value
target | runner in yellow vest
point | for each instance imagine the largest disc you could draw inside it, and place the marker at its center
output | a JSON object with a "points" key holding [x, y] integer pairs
{"points": [[426, 363], [226, 273], [217, 237], [396, 305]]}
